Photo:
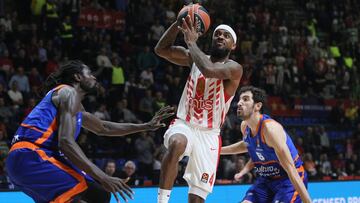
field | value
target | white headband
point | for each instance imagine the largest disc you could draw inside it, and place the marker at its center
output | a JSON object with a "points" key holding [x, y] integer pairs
{"points": [[228, 29]]}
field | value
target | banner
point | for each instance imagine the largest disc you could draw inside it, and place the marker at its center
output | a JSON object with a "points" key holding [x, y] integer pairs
{"points": [[102, 19], [320, 192]]}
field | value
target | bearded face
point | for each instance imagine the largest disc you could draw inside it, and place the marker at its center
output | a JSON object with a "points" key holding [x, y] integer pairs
{"points": [[219, 52]]}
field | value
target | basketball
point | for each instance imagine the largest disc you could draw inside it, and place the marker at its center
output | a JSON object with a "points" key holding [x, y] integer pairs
{"points": [[198, 15]]}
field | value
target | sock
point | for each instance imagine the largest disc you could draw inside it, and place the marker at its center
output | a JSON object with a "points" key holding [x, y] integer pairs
{"points": [[163, 196]]}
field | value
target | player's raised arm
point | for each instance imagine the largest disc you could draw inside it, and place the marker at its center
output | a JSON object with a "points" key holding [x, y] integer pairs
{"points": [[107, 128], [275, 137], [68, 103], [224, 40], [165, 48]]}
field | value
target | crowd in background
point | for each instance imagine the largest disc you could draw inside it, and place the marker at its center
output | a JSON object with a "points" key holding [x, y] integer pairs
{"points": [[307, 49]]}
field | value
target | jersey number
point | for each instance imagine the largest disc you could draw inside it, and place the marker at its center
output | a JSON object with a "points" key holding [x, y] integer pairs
{"points": [[260, 156]]}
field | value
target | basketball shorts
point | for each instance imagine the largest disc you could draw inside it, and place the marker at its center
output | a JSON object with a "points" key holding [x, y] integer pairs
{"points": [[203, 149], [42, 175], [276, 191]]}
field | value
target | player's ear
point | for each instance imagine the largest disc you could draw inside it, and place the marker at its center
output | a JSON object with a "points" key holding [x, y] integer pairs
{"points": [[258, 106], [77, 77], [233, 47]]}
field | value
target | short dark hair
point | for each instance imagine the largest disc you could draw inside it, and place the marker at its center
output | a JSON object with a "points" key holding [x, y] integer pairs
{"points": [[110, 161], [259, 95], [65, 74]]}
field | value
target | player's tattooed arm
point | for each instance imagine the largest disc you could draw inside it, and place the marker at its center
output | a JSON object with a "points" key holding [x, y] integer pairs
{"points": [[107, 128], [165, 48]]}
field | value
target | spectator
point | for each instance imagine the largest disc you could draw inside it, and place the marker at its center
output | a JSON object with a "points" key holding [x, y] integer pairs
{"points": [[15, 95], [22, 81], [325, 165], [310, 166], [146, 106], [110, 167], [102, 113], [147, 59], [156, 31], [129, 172], [35, 80], [102, 60], [6, 112], [145, 148], [6, 65], [147, 77]]}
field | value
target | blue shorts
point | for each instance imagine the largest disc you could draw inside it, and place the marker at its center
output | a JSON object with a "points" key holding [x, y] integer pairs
{"points": [[42, 175], [265, 190]]}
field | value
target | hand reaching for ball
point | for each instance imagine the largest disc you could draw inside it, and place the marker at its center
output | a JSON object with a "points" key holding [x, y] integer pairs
{"points": [[188, 28]]}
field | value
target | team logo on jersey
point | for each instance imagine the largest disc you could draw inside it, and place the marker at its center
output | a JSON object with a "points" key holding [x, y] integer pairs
{"points": [[200, 86], [204, 177], [201, 103]]}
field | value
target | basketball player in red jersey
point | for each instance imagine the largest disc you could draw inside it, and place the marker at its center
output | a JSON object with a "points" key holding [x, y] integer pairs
{"points": [[205, 101], [45, 161]]}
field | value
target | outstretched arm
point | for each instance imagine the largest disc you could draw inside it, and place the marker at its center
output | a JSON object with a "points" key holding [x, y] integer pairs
{"points": [[165, 48], [237, 148], [68, 103], [230, 70], [275, 137], [107, 128]]}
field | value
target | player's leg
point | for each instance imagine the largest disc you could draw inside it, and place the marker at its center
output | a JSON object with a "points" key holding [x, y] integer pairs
{"points": [[195, 199], [177, 140], [258, 192], [94, 194], [200, 172], [169, 165], [285, 191], [42, 177]]}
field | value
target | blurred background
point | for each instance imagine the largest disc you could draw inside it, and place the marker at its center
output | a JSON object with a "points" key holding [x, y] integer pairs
{"points": [[306, 54]]}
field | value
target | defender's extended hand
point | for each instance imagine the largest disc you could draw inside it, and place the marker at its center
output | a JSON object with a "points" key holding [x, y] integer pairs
{"points": [[162, 114], [116, 185]]}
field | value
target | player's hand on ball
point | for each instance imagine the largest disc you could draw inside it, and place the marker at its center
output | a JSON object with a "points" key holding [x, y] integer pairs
{"points": [[188, 28], [164, 113]]}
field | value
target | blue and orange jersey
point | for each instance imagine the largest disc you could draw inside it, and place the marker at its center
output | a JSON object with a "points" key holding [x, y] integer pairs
{"points": [[41, 125], [264, 157]]}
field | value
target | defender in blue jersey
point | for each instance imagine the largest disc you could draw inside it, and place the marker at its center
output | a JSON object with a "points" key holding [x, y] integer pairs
{"points": [[280, 174], [45, 161]]}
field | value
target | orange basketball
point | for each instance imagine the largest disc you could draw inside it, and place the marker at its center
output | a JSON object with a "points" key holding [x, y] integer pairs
{"points": [[198, 15]]}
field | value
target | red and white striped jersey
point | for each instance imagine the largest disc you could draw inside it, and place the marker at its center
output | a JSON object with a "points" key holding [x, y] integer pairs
{"points": [[203, 102]]}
